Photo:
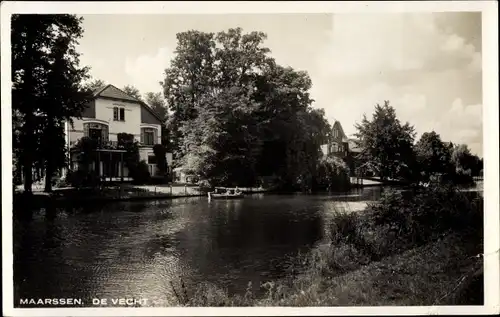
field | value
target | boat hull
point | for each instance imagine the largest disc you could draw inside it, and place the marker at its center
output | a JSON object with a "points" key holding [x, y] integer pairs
{"points": [[224, 196]]}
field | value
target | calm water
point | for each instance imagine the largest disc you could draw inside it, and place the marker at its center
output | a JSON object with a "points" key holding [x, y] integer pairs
{"points": [[137, 249]]}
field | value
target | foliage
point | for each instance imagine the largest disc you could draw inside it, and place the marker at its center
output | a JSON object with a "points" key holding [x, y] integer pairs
{"points": [[387, 144], [138, 169], [426, 214], [140, 173], [237, 115], [433, 156], [466, 164], [85, 150], [81, 178], [131, 157], [158, 104], [46, 89], [95, 85], [333, 174], [161, 161], [132, 92]]}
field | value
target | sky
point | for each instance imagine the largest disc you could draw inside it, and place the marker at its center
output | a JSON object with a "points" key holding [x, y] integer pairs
{"points": [[428, 65]]}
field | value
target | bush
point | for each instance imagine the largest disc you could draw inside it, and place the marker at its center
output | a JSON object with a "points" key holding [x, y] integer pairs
{"points": [[333, 174], [426, 214], [161, 161], [140, 173], [61, 182], [81, 178]]}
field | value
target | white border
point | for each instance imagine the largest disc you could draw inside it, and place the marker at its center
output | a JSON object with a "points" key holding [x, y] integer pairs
{"points": [[489, 11]]}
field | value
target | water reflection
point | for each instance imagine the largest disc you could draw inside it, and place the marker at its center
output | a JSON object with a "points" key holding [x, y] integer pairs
{"points": [[138, 248]]}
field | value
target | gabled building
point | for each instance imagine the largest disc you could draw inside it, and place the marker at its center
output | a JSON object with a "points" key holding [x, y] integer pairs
{"points": [[110, 113], [339, 143]]}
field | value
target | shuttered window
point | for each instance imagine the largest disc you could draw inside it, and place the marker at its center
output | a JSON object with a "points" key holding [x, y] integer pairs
{"points": [[115, 113]]}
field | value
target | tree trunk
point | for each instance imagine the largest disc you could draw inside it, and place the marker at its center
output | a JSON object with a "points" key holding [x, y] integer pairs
{"points": [[48, 178], [28, 175]]}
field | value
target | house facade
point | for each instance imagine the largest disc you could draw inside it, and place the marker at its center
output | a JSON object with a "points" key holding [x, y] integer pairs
{"points": [[343, 147], [339, 143], [110, 113]]}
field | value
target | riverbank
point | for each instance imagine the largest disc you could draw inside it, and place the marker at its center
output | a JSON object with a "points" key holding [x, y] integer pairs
{"points": [[69, 195], [422, 250]]}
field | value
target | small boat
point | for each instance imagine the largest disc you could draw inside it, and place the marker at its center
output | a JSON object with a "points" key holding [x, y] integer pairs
{"points": [[230, 194]]}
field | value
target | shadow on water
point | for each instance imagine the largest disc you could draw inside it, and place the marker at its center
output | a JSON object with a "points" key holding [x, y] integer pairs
{"points": [[124, 248]]}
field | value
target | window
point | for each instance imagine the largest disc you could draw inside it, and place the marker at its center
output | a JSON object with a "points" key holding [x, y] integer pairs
{"points": [[118, 114], [148, 136]]}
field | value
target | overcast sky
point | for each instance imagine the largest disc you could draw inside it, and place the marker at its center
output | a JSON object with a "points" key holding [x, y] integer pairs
{"points": [[427, 65]]}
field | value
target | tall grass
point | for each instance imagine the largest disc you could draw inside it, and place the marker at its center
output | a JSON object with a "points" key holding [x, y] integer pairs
{"points": [[408, 248]]}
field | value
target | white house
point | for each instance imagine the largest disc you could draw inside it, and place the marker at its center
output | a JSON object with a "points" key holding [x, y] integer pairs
{"points": [[110, 113]]}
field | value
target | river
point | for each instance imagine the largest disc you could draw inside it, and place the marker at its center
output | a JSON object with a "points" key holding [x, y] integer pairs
{"points": [[138, 249]]}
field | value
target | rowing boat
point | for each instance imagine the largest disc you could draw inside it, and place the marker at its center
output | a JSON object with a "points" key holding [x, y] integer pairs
{"points": [[212, 195]]}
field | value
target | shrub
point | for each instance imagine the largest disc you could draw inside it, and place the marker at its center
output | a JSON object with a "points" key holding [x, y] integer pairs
{"points": [[140, 173], [61, 182], [333, 174], [426, 214], [161, 161], [81, 178]]}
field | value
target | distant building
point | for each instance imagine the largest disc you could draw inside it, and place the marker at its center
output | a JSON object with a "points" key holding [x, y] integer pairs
{"points": [[338, 144], [110, 113], [343, 147]]}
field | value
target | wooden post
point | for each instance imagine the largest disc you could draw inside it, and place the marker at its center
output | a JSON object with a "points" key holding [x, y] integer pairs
{"points": [[170, 190]]}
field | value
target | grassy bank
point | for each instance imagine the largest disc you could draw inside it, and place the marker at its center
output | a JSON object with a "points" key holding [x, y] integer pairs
{"points": [[419, 248]]}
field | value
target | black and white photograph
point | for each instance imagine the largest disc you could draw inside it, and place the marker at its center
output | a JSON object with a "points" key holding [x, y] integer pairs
{"points": [[310, 158]]}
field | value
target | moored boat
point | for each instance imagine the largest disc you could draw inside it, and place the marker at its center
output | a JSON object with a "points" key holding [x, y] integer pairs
{"points": [[228, 194]]}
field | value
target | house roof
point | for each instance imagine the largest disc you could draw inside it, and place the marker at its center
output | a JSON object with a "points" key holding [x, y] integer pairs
{"points": [[111, 92], [344, 137]]}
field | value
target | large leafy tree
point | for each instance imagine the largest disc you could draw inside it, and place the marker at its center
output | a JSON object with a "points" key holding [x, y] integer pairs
{"points": [[190, 76], [387, 144], [433, 156], [46, 88], [236, 114]]}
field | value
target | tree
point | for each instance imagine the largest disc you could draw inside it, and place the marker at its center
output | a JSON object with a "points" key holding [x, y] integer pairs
{"points": [[222, 139], [237, 115], [46, 88], [191, 75], [386, 144], [95, 84], [156, 101], [161, 160], [463, 159], [158, 104], [433, 156], [132, 92], [333, 174]]}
